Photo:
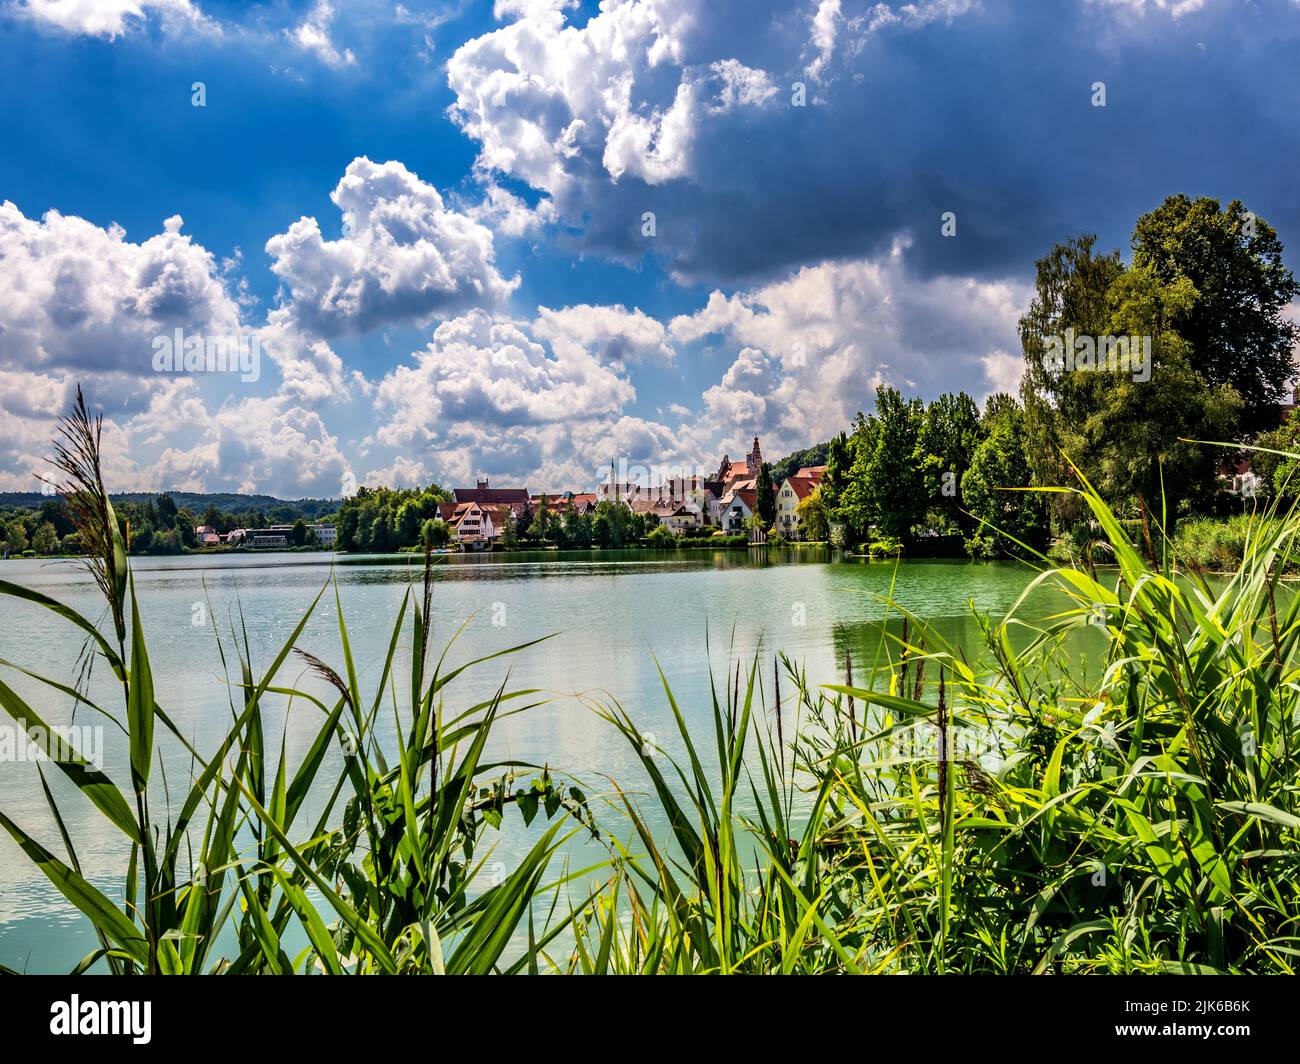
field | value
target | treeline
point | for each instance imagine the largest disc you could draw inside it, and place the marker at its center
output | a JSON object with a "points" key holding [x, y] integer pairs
{"points": [[912, 470], [151, 524], [379, 520], [613, 525], [385, 519], [1207, 294], [1126, 368], [48, 529], [792, 463]]}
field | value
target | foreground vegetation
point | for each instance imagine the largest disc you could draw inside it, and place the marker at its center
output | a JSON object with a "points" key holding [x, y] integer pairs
{"points": [[1010, 807]]}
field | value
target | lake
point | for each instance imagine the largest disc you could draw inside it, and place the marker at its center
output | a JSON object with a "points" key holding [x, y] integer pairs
{"points": [[612, 615]]}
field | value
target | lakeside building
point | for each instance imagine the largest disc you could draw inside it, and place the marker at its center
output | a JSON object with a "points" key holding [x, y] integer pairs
{"points": [[484, 494], [729, 472], [272, 537], [661, 508], [476, 523], [690, 501], [793, 490], [583, 502], [736, 507]]}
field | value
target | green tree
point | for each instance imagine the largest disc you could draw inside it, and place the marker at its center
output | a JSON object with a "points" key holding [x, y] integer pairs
{"points": [[46, 540], [614, 525], [510, 531], [1277, 471], [381, 531], [53, 511], [166, 511], [1234, 323], [891, 473], [839, 460], [577, 529], [812, 516], [950, 432], [765, 493], [1071, 291], [436, 533], [1125, 428], [298, 534], [184, 524], [998, 405], [407, 524], [545, 524], [1004, 516], [346, 532], [661, 536], [1136, 441], [853, 512], [16, 536]]}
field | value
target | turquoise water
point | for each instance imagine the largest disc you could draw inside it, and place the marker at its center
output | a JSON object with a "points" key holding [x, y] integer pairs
{"points": [[612, 616]]}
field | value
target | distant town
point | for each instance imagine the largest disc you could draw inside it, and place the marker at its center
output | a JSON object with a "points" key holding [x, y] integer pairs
{"points": [[726, 502], [743, 502]]}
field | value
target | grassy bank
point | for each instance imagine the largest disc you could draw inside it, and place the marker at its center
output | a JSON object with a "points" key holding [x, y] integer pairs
{"points": [[1005, 807]]}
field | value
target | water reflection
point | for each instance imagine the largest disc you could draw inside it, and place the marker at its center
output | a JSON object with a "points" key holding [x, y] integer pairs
{"points": [[614, 619]]}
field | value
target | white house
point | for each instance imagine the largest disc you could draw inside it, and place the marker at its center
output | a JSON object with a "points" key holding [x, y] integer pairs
{"points": [[735, 508], [793, 490]]}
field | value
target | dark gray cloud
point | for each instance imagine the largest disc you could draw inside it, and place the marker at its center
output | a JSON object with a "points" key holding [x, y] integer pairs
{"points": [[982, 109]]}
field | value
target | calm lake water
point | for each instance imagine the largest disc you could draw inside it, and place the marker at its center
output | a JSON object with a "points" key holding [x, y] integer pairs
{"points": [[612, 616]]}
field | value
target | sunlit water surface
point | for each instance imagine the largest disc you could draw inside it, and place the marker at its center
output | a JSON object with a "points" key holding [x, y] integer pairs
{"points": [[612, 617]]}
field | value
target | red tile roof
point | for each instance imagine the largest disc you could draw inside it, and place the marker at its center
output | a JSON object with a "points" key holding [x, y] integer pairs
{"points": [[801, 485], [491, 495]]}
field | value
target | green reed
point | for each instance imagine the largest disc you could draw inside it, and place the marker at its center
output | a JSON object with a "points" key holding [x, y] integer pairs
{"points": [[1111, 787]]}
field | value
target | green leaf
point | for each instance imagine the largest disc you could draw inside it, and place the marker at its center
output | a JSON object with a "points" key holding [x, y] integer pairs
{"points": [[1263, 812], [97, 787], [106, 917], [139, 706]]}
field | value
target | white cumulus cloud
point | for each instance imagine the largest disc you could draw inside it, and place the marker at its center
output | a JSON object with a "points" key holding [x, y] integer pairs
{"points": [[404, 256]]}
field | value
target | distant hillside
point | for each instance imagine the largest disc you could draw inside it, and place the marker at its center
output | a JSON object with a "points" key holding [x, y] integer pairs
{"points": [[196, 502], [809, 456]]}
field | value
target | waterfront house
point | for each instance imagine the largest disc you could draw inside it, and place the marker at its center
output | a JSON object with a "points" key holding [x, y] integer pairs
{"points": [[736, 507], [272, 537], [793, 490], [475, 523], [684, 515]]}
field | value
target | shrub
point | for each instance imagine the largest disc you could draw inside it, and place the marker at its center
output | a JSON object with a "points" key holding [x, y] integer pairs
{"points": [[1217, 545], [885, 547], [661, 536]]}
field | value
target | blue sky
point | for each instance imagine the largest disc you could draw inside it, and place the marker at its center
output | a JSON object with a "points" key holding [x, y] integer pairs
{"points": [[431, 217]]}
